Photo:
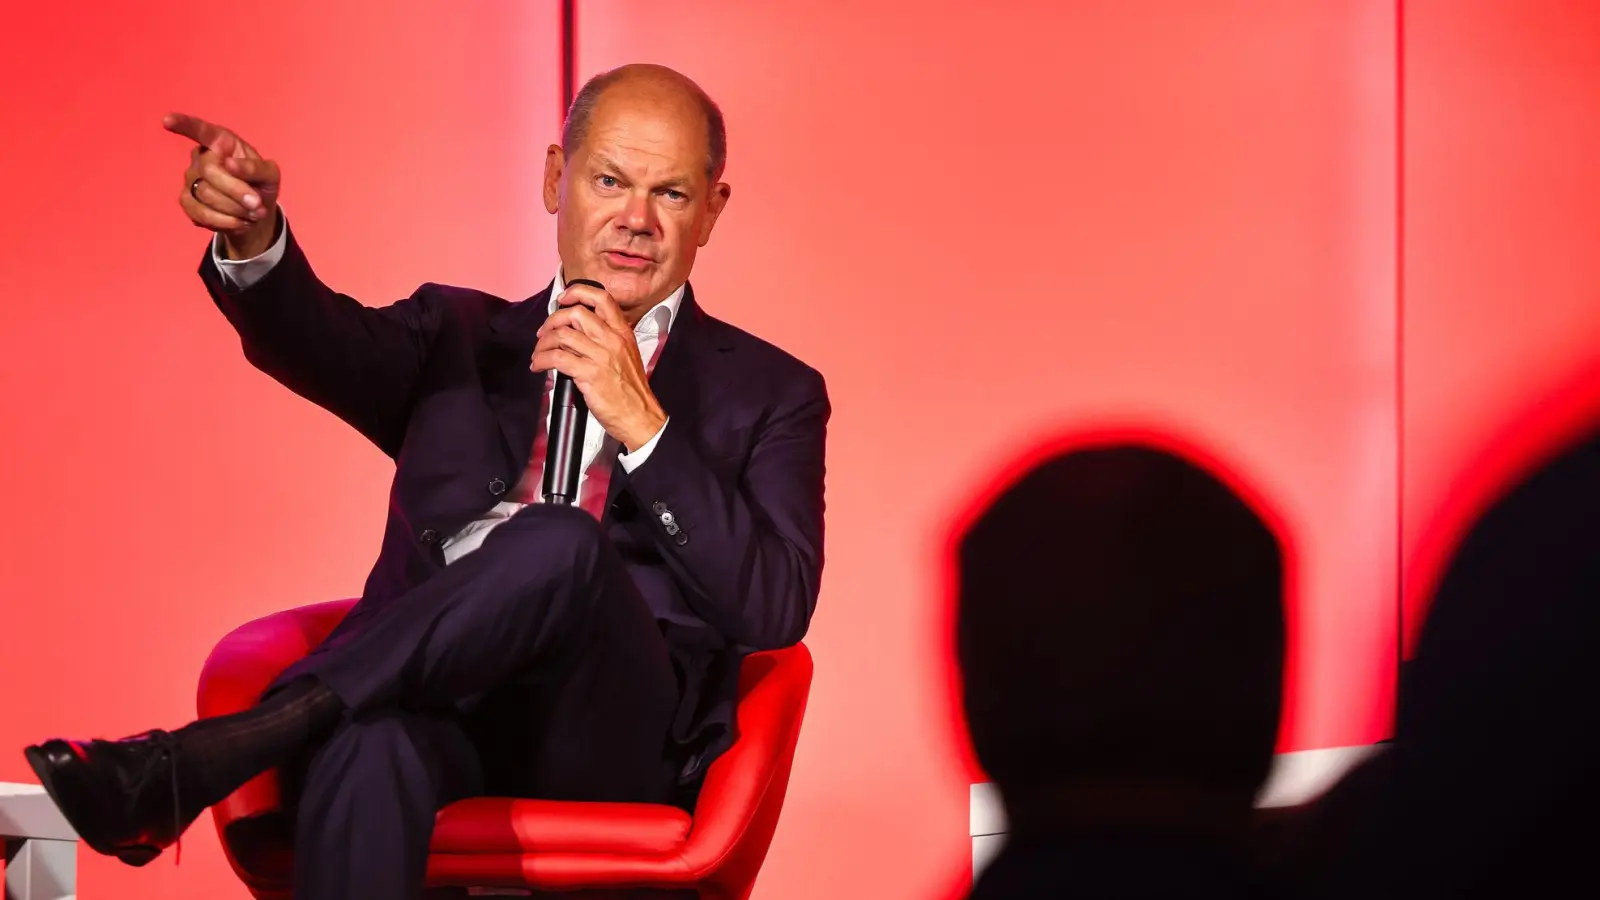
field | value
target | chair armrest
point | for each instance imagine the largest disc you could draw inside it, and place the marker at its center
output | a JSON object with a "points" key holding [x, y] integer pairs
{"points": [[243, 665], [737, 811]]}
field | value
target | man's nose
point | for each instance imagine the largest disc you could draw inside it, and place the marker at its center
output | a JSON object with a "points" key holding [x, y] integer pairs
{"points": [[639, 216]]}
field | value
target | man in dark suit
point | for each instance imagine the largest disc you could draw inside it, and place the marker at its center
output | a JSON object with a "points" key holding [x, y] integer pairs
{"points": [[503, 645]]}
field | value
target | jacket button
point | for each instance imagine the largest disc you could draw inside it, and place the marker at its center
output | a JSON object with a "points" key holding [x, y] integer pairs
{"points": [[681, 538], [672, 528], [428, 536], [658, 507], [497, 487]]}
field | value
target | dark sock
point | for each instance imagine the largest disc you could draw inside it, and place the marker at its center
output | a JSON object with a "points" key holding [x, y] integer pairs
{"points": [[217, 756]]}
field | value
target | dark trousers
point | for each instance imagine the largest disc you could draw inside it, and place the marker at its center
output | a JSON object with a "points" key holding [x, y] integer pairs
{"points": [[530, 667]]}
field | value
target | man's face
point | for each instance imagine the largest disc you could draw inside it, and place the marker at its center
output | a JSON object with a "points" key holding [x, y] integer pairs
{"points": [[633, 203]]}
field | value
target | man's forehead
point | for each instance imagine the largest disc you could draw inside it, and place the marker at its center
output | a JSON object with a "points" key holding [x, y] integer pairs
{"points": [[646, 143], [665, 122], [643, 163]]}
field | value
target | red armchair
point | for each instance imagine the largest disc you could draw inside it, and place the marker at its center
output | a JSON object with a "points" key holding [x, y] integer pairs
{"points": [[541, 845]]}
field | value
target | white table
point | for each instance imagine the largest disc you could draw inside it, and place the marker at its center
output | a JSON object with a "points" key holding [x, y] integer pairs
{"points": [[41, 848], [1295, 778]]}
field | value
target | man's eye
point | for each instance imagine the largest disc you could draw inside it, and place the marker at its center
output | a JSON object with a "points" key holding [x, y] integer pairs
{"points": [[677, 196], [608, 181]]}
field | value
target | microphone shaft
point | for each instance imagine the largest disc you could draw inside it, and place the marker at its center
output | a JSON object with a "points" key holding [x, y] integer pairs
{"points": [[569, 416]]}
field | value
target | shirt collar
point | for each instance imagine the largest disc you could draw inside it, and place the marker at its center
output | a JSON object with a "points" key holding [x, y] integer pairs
{"points": [[658, 321]]}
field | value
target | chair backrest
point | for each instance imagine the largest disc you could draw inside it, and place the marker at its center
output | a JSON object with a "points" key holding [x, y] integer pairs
{"points": [[738, 808]]}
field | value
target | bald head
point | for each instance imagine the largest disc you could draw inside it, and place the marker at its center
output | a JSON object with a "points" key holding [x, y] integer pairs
{"points": [[647, 83]]}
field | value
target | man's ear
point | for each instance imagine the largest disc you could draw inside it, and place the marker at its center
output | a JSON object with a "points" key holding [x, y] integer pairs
{"points": [[555, 162], [715, 202]]}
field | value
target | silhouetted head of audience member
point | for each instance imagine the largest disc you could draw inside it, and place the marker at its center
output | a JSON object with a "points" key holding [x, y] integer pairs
{"points": [[1120, 633]]}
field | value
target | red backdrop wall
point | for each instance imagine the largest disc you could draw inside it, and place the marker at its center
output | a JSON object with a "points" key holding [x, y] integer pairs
{"points": [[158, 491], [1040, 217], [1003, 221]]}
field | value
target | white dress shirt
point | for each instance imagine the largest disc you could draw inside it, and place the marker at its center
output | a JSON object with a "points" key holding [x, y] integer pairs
{"points": [[595, 469]]}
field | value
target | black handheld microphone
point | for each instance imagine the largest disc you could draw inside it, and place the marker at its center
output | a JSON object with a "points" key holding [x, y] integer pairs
{"points": [[563, 453]]}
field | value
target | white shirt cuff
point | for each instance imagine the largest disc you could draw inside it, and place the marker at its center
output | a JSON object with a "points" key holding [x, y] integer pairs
{"points": [[243, 274], [634, 460]]}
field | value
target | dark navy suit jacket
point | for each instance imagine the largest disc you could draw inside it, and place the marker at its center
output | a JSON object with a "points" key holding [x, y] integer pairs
{"points": [[440, 381]]}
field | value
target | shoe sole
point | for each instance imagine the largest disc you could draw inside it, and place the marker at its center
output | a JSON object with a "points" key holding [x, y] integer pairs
{"points": [[70, 796]]}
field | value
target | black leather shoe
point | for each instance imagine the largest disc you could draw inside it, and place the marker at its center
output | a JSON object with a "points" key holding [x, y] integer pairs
{"points": [[120, 796]]}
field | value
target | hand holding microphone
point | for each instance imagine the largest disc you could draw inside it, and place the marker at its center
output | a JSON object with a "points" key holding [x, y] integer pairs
{"points": [[589, 342]]}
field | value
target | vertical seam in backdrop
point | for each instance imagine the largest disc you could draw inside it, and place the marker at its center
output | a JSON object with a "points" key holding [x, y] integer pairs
{"points": [[1399, 342], [568, 54]]}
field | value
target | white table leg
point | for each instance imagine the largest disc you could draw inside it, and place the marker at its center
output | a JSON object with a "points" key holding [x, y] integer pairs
{"points": [[41, 869], [41, 848]]}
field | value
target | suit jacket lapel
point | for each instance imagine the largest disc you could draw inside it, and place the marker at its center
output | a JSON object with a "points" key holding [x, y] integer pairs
{"points": [[674, 376], [514, 390], [677, 373]]}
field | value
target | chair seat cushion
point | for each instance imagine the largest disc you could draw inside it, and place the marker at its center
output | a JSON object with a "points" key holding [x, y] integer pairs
{"points": [[491, 825]]}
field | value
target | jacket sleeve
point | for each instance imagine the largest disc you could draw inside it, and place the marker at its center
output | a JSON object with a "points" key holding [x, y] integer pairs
{"points": [[360, 363], [750, 549]]}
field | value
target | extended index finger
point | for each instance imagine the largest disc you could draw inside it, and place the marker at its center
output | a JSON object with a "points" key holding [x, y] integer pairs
{"points": [[604, 305], [576, 316], [194, 128]]}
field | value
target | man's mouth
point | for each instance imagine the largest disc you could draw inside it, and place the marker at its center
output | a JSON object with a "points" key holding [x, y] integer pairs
{"points": [[624, 259]]}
